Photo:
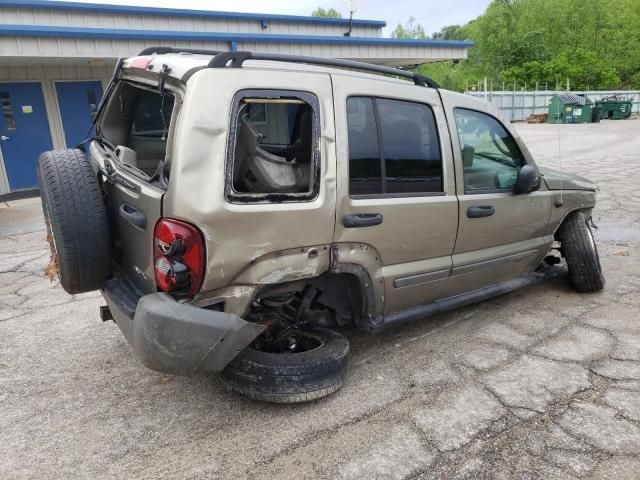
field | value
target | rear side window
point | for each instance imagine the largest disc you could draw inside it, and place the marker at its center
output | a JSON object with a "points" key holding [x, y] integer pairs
{"points": [[393, 148], [365, 169], [274, 147]]}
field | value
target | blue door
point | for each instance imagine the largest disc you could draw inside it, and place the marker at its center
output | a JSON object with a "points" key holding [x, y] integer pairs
{"points": [[78, 102], [24, 132]]}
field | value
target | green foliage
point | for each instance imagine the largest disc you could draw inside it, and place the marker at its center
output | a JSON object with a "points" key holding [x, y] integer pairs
{"points": [[593, 43], [411, 29], [583, 68], [328, 13], [450, 32]]}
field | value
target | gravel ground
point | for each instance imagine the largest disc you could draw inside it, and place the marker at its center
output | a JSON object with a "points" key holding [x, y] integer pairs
{"points": [[540, 383]]}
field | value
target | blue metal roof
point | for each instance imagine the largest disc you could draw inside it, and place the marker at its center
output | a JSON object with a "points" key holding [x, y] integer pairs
{"points": [[180, 12], [85, 32]]}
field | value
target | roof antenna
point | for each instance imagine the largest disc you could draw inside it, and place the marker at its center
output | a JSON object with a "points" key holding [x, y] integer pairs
{"points": [[560, 201], [352, 10]]}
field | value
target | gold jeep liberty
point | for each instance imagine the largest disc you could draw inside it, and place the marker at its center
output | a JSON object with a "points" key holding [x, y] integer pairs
{"points": [[237, 209]]}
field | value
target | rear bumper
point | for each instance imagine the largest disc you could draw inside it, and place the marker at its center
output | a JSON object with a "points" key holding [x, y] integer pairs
{"points": [[177, 338]]}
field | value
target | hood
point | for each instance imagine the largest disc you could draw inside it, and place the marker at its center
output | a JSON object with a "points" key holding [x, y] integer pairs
{"points": [[568, 181]]}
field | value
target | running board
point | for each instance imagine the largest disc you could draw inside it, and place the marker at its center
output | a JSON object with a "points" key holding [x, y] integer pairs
{"points": [[446, 304]]}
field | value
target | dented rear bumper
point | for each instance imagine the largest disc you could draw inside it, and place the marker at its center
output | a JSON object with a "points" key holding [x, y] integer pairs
{"points": [[174, 337]]}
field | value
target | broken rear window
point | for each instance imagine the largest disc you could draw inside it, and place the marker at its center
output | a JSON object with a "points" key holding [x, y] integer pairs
{"points": [[274, 139]]}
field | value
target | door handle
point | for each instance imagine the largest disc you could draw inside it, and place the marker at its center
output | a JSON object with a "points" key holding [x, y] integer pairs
{"points": [[481, 211], [4, 137], [357, 220], [134, 216]]}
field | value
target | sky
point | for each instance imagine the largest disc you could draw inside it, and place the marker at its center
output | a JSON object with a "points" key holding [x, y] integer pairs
{"points": [[432, 14]]}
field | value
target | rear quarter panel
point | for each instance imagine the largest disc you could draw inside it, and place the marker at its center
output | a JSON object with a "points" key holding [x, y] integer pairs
{"points": [[240, 237]]}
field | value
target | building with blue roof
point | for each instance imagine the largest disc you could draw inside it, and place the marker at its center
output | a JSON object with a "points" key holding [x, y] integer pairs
{"points": [[57, 56]]}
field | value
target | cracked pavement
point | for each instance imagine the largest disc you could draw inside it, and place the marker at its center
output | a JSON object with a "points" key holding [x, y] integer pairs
{"points": [[540, 383]]}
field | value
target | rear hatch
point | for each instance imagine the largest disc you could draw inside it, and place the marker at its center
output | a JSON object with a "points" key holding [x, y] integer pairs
{"points": [[130, 149]]}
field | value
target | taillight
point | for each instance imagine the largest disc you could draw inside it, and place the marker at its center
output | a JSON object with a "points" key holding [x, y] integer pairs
{"points": [[178, 257]]}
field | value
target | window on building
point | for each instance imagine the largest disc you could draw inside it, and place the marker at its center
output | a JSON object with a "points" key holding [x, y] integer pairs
{"points": [[7, 112], [393, 148], [491, 158], [91, 102], [275, 155]]}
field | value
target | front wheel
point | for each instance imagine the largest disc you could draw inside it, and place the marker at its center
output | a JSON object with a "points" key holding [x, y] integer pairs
{"points": [[581, 253], [310, 365]]}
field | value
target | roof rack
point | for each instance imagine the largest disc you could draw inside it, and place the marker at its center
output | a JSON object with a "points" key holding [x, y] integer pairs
{"points": [[236, 59], [163, 50]]}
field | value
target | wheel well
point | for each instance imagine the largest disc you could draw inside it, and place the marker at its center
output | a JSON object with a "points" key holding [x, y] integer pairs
{"points": [[330, 299], [587, 216]]}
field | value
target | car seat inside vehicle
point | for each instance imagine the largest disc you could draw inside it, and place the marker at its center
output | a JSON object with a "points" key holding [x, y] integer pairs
{"points": [[274, 147]]}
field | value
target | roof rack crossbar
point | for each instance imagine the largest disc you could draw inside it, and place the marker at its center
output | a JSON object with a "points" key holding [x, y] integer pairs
{"points": [[163, 50], [236, 59]]}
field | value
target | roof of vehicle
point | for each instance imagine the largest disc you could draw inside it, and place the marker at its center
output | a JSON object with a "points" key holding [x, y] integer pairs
{"points": [[182, 65], [185, 64]]}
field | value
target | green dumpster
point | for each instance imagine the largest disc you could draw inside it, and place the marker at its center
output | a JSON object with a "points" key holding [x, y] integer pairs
{"points": [[570, 108], [615, 107], [597, 114]]}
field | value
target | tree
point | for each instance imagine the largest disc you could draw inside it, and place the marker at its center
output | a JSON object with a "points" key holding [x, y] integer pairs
{"points": [[593, 43], [450, 32], [411, 29], [328, 13]]}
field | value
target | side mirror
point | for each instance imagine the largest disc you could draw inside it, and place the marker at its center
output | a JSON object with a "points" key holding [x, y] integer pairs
{"points": [[528, 180]]}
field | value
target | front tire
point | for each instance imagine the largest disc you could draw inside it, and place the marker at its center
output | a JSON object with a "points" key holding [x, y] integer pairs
{"points": [[291, 377], [581, 253]]}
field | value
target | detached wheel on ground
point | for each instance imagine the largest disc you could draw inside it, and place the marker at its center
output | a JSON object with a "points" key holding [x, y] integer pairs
{"points": [[76, 220], [580, 250], [313, 366]]}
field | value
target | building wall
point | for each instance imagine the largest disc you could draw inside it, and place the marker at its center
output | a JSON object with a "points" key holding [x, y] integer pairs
{"points": [[92, 48], [94, 19], [47, 75]]}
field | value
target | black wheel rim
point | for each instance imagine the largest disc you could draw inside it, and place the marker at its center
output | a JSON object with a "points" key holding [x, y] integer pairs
{"points": [[289, 342]]}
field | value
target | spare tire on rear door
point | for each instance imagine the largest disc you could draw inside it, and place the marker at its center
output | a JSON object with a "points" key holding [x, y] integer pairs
{"points": [[76, 220], [312, 366]]}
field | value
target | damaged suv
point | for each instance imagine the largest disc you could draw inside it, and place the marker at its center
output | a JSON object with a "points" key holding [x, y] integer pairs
{"points": [[236, 209]]}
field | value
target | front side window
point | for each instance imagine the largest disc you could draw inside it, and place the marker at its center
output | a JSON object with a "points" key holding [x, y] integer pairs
{"points": [[490, 156], [275, 155], [393, 148]]}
